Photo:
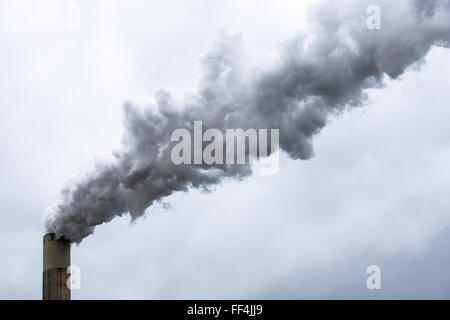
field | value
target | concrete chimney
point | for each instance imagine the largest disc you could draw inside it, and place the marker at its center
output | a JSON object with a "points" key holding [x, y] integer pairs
{"points": [[56, 260]]}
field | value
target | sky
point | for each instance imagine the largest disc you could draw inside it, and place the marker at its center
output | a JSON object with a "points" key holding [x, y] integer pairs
{"points": [[375, 193]]}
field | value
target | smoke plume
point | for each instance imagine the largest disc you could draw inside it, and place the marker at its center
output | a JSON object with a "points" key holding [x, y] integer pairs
{"points": [[316, 75]]}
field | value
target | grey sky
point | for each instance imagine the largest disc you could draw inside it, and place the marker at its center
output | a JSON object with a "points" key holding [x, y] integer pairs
{"points": [[375, 193]]}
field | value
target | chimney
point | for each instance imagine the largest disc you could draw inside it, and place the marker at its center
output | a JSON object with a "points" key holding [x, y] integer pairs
{"points": [[56, 260]]}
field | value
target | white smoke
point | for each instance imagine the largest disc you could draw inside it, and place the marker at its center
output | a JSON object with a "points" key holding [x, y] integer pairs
{"points": [[317, 75]]}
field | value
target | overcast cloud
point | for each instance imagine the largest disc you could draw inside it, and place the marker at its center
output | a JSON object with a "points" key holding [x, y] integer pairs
{"points": [[376, 191]]}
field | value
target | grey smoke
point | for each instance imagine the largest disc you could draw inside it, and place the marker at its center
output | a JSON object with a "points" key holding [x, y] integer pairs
{"points": [[317, 75]]}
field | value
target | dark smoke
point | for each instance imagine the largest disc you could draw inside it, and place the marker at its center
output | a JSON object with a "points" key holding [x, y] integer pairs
{"points": [[317, 75]]}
